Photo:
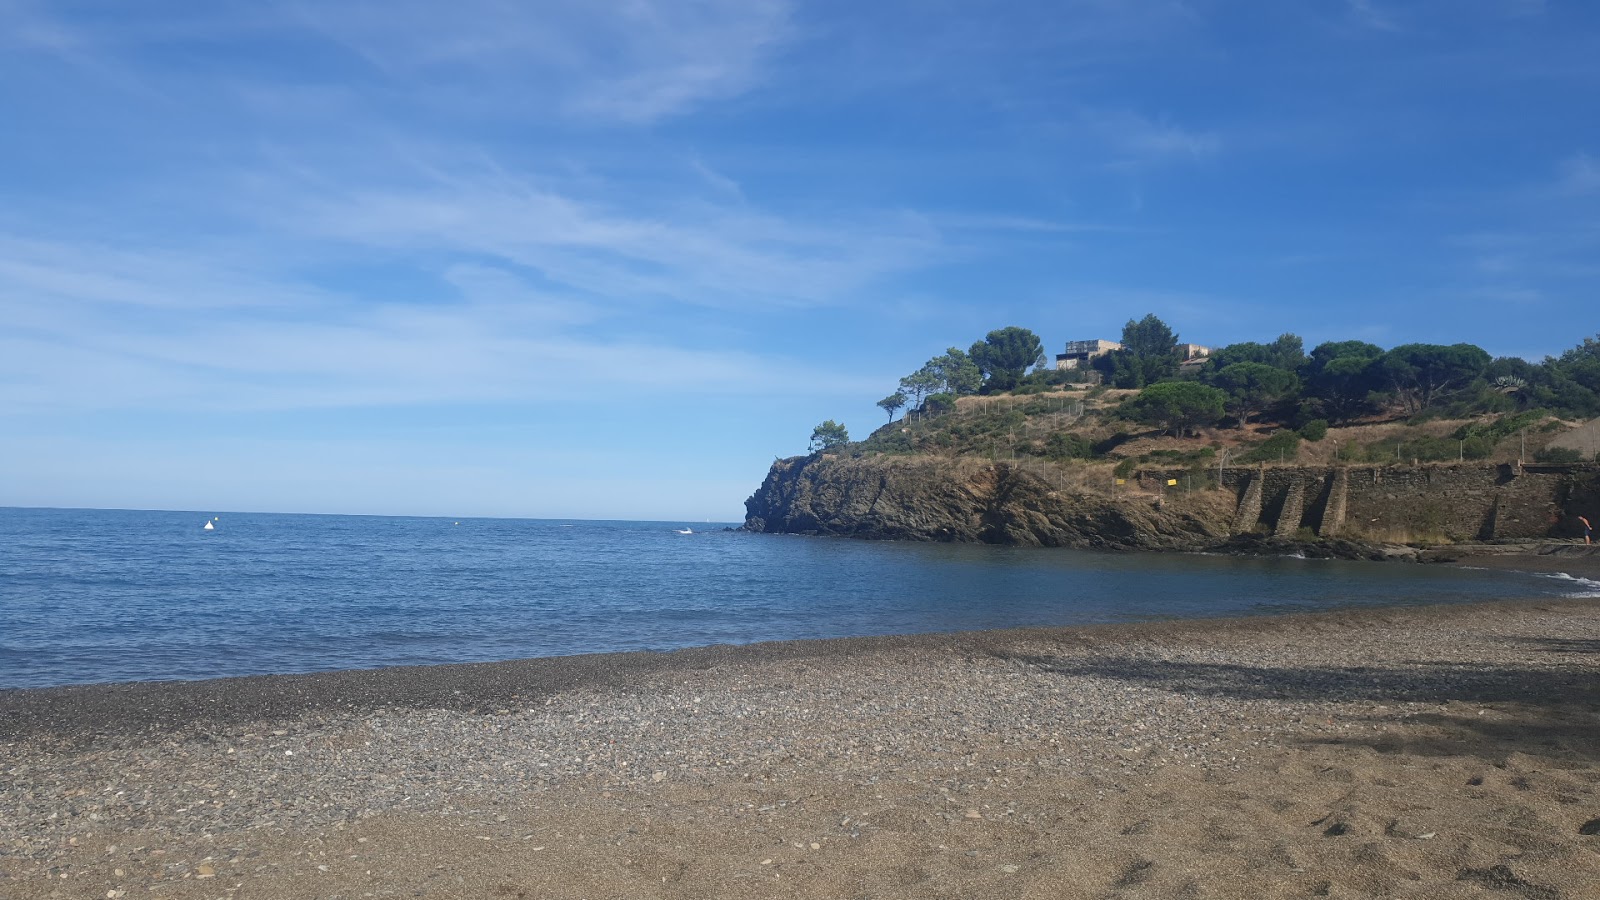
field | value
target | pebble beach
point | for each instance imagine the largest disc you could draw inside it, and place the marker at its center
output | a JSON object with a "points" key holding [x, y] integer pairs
{"points": [[1432, 752]]}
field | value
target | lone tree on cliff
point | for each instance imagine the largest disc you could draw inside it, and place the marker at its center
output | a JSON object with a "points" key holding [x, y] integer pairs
{"points": [[892, 403], [828, 435], [919, 384]]}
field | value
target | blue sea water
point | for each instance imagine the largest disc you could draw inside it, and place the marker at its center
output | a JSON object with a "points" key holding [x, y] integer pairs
{"points": [[114, 595]]}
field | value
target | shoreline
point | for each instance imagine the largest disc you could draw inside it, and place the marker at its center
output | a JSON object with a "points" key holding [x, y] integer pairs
{"points": [[1426, 751], [1577, 560], [136, 705], [80, 713], [125, 703]]}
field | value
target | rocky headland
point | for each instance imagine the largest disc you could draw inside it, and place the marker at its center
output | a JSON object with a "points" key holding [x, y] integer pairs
{"points": [[928, 498], [1366, 512]]}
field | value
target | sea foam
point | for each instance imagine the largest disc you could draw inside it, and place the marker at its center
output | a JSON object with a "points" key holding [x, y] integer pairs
{"points": [[1586, 587]]}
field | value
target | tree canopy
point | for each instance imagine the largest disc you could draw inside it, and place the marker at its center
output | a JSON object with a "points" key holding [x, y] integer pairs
{"points": [[1005, 355], [1176, 406], [1253, 386], [1571, 381], [1149, 354], [1277, 381], [1286, 353], [957, 373], [920, 384], [1423, 374], [828, 435], [1149, 337], [1340, 377]]}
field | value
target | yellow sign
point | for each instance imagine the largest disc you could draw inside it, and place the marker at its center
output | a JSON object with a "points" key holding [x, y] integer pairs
{"points": [[1172, 482], [1122, 481]]}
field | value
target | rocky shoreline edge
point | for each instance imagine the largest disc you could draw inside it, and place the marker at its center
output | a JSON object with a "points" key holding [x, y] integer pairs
{"points": [[966, 500]]}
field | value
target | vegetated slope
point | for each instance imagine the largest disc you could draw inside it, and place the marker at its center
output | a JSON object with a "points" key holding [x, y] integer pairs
{"points": [[1152, 458], [943, 498]]}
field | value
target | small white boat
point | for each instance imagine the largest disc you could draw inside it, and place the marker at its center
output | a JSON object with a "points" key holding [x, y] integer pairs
{"points": [[685, 530], [209, 527]]}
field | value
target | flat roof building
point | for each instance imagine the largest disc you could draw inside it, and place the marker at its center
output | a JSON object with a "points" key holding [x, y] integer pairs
{"points": [[1080, 352]]}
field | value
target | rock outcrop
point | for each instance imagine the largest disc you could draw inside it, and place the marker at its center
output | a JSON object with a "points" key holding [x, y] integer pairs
{"points": [[1351, 512], [927, 498]]}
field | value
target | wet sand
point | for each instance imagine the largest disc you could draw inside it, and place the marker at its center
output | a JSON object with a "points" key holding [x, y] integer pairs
{"points": [[1429, 752]]}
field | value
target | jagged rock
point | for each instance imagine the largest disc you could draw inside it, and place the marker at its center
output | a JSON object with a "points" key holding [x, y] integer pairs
{"points": [[925, 498]]}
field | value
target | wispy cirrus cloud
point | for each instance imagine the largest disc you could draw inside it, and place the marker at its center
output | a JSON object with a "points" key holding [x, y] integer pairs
{"points": [[1580, 174], [1369, 14], [142, 333], [1135, 139], [637, 62], [688, 250], [1398, 16]]}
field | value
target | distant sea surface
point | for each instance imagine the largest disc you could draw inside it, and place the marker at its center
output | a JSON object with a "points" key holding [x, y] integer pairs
{"points": [[109, 595]]}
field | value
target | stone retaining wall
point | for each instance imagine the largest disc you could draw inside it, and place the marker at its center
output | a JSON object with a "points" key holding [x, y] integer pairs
{"points": [[1455, 502]]}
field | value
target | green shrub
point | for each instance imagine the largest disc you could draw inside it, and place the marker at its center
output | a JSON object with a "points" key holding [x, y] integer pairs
{"points": [[1125, 468], [1283, 446], [937, 404], [1503, 427], [1066, 445], [1314, 430]]}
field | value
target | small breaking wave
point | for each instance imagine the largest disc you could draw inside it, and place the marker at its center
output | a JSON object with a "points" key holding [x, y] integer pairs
{"points": [[1586, 587]]}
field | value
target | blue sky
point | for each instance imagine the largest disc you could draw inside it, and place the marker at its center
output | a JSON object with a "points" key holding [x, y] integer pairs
{"points": [[608, 260]]}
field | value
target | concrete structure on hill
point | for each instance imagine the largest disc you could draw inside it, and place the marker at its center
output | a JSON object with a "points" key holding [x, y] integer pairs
{"points": [[1079, 353], [1192, 357]]}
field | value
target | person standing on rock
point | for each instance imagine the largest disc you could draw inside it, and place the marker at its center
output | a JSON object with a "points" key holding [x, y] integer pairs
{"points": [[1588, 530]]}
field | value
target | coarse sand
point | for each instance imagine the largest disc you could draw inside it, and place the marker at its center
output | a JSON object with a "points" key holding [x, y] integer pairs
{"points": [[1427, 752]]}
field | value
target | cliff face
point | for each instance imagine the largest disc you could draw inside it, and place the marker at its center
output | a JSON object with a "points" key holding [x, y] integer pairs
{"points": [[1346, 511], [963, 499]]}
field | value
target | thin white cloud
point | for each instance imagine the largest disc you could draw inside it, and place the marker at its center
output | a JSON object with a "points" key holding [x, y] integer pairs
{"points": [[153, 337], [722, 183], [1137, 140], [691, 252], [1369, 14], [1580, 174], [633, 62], [86, 273], [1021, 224]]}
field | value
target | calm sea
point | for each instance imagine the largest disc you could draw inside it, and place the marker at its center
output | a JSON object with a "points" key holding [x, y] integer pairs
{"points": [[99, 595]]}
